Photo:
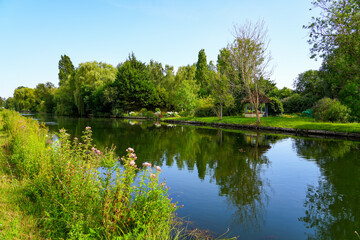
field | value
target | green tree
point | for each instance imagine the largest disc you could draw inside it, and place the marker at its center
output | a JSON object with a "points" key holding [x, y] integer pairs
{"points": [[44, 94], [186, 95], [66, 69], [24, 99], [310, 82], [136, 90], [337, 26], [89, 77], [2, 102], [10, 104], [202, 74], [221, 93]]}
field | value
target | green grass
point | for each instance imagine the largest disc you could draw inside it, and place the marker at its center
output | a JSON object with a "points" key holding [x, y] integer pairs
{"points": [[15, 220], [286, 121]]}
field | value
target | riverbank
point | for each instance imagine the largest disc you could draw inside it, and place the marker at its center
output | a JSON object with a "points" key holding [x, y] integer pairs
{"points": [[69, 189], [285, 124], [15, 220]]}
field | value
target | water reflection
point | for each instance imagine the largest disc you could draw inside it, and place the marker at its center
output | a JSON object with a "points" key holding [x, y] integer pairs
{"points": [[332, 207]]}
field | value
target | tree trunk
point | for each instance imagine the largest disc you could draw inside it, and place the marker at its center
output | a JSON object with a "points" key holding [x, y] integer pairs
{"points": [[221, 110]]}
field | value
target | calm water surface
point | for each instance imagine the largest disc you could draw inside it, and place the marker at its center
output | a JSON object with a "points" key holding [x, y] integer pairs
{"points": [[253, 185]]}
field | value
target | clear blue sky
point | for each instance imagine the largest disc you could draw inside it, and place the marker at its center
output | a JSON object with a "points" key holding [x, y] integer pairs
{"points": [[34, 34]]}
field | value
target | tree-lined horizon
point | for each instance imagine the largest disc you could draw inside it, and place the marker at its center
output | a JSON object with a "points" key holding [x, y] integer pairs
{"points": [[207, 88]]}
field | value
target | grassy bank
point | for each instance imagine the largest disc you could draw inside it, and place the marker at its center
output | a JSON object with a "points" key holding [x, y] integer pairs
{"points": [[15, 220], [71, 190], [285, 121]]}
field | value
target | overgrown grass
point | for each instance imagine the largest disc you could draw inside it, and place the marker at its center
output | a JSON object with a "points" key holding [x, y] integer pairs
{"points": [[15, 220], [77, 192], [286, 121]]}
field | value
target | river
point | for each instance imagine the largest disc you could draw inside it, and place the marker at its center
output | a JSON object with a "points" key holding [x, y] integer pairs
{"points": [[246, 184]]}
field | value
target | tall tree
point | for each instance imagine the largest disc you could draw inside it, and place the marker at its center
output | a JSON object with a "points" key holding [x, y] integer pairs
{"points": [[250, 58], [66, 69], [135, 88], [89, 77], [221, 93], [202, 74], [44, 93]]}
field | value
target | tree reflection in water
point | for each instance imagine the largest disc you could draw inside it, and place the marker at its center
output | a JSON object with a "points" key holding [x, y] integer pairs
{"points": [[332, 207], [233, 161]]}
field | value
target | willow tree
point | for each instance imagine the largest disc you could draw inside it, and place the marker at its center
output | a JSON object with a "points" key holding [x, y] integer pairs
{"points": [[250, 57]]}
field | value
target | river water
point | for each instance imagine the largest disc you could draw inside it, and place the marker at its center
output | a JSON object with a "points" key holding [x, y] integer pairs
{"points": [[246, 184]]}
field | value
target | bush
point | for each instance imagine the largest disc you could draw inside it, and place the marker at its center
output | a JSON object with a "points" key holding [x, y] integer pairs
{"points": [[80, 192], [275, 107], [149, 114], [204, 112], [327, 109], [298, 103], [143, 112]]}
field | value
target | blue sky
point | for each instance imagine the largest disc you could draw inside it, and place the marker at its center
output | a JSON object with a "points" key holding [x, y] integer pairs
{"points": [[34, 34]]}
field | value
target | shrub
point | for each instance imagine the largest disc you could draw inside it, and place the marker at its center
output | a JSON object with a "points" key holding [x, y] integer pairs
{"points": [[298, 103], [149, 114], [143, 112], [327, 109], [275, 106], [157, 110], [204, 112]]}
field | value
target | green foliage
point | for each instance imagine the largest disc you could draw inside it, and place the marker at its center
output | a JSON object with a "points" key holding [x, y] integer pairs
{"points": [[221, 93], [89, 78], [202, 74], [64, 98], [24, 99], [327, 109], [337, 26], [134, 84], [309, 82], [275, 106], [44, 94], [297, 103], [80, 192], [66, 69], [350, 97], [186, 99]]}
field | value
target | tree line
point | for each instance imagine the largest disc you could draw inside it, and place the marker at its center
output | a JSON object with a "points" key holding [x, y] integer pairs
{"points": [[207, 88]]}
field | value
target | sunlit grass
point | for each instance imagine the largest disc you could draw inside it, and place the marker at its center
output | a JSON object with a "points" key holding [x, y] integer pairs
{"points": [[15, 220], [286, 121]]}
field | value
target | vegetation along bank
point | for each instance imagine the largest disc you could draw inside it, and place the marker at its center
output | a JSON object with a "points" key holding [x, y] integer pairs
{"points": [[69, 189], [217, 88], [290, 124]]}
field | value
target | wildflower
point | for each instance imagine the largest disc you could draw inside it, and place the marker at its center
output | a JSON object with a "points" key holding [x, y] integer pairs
{"points": [[158, 168], [98, 152], [152, 175], [133, 155], [132, 163], [93, 149], [88, 128], [80, 143], [75, 138], [130, 150]]}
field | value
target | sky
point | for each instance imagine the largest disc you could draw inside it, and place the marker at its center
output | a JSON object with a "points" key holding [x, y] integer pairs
{"points": [[34, 34]]}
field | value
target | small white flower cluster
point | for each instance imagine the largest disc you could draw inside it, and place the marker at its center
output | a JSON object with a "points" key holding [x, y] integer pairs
{"points": [[171, 114]]}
